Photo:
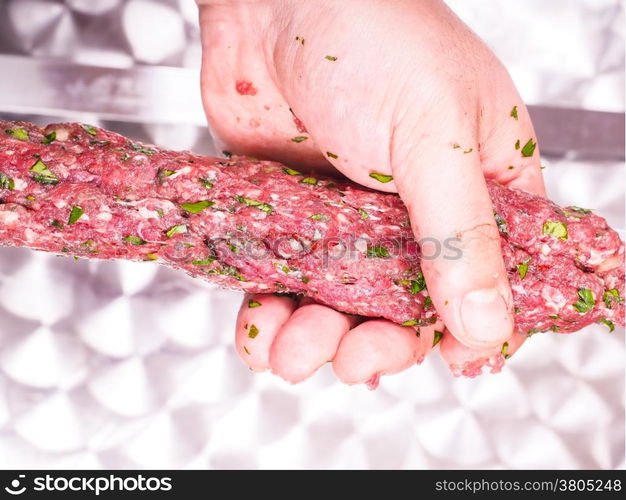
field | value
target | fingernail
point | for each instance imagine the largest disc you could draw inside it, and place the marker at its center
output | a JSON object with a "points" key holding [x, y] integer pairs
{"points": [[486, 317]]}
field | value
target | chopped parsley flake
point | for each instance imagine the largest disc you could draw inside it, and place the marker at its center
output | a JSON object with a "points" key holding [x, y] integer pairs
{"points": [[160, 212], [363, 214], [253, 331], [611, 297], [309, 180], [437, 337], [608, 323], [56, 223], [49, 138], [290, 171], [134, 240], [410, 322], [199, 206], [205, 182], [177, 229], [577, 212], [586, 300], [384, 178], [417, 285], [256, 204], [331, 155], [75, 214], [522, 268], [501, 223], [556, 229], [514, 112], [151, 256], [529, 148], [318, 217], [305, 280], [141, 149], [125, 157], [227, 154], [378, 252], [428, 302], [203, 262], [299, 138], [517, 144], [164, 172], [43, 174], [505, 350], [21, 134], [331, 58], [6, 182], [254, 303], [90, 129]]}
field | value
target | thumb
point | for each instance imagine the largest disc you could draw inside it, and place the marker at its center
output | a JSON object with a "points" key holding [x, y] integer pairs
{"points": [[446, 195]]}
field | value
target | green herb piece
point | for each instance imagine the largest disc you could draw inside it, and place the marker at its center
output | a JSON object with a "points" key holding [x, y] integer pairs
{"points": [[611, 297], [56, 223], [177, 229], [256, 204], [151, 256], [203, 262], [254, 303], [517, 144], [50, 137], [384, 178], [199, 206], [363, 214], [233, 248], [554, 316], [90, 129], [290, 171], [556, 229], [299, 138], [522, 268], [505, 350], [318, 217], [21, 134], [205, 182], [501, 223], [30, 197], [428, 302], [529, 148], [331, 155], [163, 173], [305, 279], [134, 240], [141, 149], [576, 212], [608, 323], [227, 154], [410, 322], [89, 245], [160, 212], [517, 310], [186, 244], [417, 285], [309, 180], [100, 143], [514, 112], [75, 214], [331, 58], [6, 182], [43, 174], [378, 252], [586, 300], [125, 157], [253, 332], [437, 337]]}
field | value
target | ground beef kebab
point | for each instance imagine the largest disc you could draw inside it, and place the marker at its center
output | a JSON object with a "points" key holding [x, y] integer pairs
{"points": [[260, 226]]}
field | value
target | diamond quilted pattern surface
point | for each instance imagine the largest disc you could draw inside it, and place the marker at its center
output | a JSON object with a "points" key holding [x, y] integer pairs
{"points": [[119, 365]]}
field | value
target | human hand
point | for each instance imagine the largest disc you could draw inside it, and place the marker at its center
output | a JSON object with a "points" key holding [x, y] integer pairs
{"points": [[398, 96]]}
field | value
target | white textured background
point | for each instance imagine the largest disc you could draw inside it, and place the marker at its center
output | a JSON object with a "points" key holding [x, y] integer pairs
{"points": [[131, 365]]}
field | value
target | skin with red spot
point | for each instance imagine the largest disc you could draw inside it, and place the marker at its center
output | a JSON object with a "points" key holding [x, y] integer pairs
{"points": [[244, 87]]}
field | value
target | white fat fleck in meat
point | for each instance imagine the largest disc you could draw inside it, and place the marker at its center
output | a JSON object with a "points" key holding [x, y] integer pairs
{"points": [[596, 257], [545, 249], [361, 243], [19, 184], [295, 245], [329, 276], [145, 213], [61, 134], [30, 235], [274, 197], [105, 216], [9, 152], [317, 235], [553, 298], [181, 171], [60, 203], [342, 218], [8, 217], [262, 286]]}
